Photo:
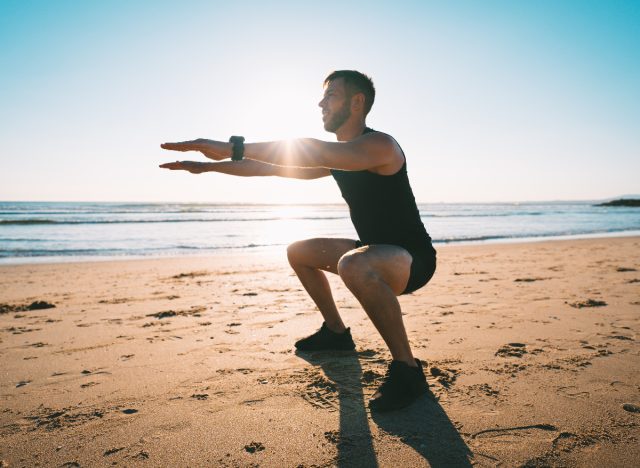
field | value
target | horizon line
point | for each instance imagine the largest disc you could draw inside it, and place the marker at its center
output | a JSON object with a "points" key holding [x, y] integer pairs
{"points": [[441, 202]]}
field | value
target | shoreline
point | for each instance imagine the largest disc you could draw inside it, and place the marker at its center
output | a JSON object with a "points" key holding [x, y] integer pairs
{"points": [[278, 250]]}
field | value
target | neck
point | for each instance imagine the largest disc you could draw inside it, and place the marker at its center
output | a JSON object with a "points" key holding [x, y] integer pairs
{"points": [[350, 130]]}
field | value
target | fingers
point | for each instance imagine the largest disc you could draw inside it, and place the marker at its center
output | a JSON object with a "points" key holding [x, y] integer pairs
{"points": [[179, 146], [190, 166], [172, 165]]}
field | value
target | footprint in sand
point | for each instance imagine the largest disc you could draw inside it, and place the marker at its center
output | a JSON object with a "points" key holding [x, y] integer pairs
{"points": [[512, 350], [497, 432], [112, 451], [50, 419], [573, 392], [332, 436], [39, 344], [511, 368], [36, 305], [445, 377], [89, 384], [254, 447], [118, 300], [631, 408], [21, 330], [370, 376], [484, 388], [621, 337], [141, 455], [191, 274], [587, 303], [195, 311], [322, 393]]}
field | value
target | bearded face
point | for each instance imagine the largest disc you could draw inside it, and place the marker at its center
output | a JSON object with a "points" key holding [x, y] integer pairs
{"points": [[335, 119]]}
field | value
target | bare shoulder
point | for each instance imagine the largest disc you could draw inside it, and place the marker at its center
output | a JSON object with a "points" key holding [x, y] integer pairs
{"points": [[378, 141], [378, 138], [386, 148]]}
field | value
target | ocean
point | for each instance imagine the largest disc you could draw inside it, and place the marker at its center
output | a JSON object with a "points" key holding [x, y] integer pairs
{"points": [[59, 231]]}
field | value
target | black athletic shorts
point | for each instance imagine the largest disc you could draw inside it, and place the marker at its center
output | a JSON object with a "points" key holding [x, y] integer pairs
{"points": [[423, 267]]}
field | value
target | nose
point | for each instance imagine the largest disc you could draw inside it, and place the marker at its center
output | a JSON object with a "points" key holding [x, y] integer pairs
{"points": [[321, 103]]}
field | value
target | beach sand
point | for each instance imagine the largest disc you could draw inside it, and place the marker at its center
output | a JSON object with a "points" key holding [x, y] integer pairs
{"points": [[532, 350]]}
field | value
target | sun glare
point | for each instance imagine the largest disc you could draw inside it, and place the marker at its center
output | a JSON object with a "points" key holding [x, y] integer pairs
{"points": [[287, 225]]}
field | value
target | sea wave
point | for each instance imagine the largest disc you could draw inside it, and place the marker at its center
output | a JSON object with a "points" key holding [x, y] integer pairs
{"points": [[108, 251], [39, 231], [240, 218], [529, 235], [9, 222]]}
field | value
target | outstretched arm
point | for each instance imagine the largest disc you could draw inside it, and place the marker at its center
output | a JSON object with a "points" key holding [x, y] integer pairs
{"points": [[246, 168], [370, 151]]}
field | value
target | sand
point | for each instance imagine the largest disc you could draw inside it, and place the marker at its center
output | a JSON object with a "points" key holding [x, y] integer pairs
{"points": [[532, 350]]}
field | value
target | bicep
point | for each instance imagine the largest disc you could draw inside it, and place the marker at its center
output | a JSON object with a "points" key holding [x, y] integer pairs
{"points": [[373, 151]]}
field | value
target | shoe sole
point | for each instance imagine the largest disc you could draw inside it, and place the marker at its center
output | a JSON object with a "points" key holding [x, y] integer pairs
{"points": [[332, 351], [400, 405]]}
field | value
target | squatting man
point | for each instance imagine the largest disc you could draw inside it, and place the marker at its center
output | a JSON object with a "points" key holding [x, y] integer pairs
{"points": [[393, 255]]}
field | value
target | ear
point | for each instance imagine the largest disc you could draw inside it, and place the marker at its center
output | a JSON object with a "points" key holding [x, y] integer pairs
{"points": [[357, 102]]}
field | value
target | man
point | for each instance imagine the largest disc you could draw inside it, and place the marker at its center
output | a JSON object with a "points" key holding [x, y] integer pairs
{"points": [[393, 256]]}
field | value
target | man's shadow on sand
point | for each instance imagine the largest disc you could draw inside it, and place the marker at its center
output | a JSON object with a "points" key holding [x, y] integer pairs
{"points": [[424, 425]]}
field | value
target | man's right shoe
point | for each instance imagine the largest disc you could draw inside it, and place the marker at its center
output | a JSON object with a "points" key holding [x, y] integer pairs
{"points": [[403, 385], [325, 340]]}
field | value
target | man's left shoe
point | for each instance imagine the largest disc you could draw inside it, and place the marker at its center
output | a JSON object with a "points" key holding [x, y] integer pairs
{"points": [[403, 385]]}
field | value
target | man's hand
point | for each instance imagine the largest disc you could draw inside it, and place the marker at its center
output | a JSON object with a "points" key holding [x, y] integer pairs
{"points": [[216, 150], [192, 166]]}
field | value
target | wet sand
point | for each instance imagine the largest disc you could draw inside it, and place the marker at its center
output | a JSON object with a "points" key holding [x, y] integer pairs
{"points": [[532, 350]]}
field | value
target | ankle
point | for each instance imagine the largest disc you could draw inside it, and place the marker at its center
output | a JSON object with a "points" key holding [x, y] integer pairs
{"points": [[411, 362], [338, 328]]}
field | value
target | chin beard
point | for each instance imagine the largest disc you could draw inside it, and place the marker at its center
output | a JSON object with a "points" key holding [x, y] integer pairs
{"points": [[338, 119]]}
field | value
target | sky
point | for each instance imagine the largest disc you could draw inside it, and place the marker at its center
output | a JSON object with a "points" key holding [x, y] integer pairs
{"points": [[490, 101]]}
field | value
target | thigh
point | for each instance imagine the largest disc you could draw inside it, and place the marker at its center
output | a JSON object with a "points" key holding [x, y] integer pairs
{"points": [[422, 269], [390, 262], [322, 253]]}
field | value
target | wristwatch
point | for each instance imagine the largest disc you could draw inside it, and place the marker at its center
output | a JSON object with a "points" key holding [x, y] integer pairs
{"points": [[237, 152]]}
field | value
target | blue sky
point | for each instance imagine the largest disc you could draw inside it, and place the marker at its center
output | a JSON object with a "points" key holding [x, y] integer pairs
{"points": [[491, 101]]}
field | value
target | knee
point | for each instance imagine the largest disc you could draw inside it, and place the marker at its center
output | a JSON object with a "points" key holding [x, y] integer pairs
{"points": [[293, 252], [354, 269], [296, 252]]}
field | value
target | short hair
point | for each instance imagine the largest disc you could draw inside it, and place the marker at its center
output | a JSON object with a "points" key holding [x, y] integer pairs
{"points": [[355, 82]]}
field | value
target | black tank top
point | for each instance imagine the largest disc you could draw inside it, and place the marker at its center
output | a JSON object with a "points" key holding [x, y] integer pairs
{"points": [[382, 208]]}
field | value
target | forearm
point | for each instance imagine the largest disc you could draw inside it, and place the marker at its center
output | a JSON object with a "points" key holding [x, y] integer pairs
{"points": [[244, 168], [250, 168]]}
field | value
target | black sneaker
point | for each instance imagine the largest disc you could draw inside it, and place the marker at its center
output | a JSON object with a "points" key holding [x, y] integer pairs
{"points": [[403, 385], [325, 339]]}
